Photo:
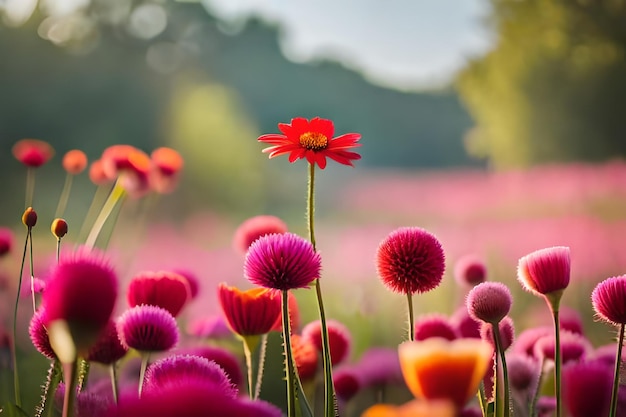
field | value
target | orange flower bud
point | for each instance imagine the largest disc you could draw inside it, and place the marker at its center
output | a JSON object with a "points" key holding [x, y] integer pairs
{"points": [[59, 228], [75, 161], [29, 218]]}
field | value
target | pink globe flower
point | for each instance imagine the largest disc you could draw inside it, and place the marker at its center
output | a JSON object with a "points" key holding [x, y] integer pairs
{"points": [[346, 383], [223, 357], [282, 262], [108, 349], [6, 240], [587, 389], [470, 270], [148, 329], [434, 325], [170, 371], [165, 289], [609, 300], [545, 271], [81, 291], [574, 347], [39, 334], [410, 260], [255, 227], [339, 339], [489, 302], [523, 373], [506, 329], [32, 152], [464, 324]]}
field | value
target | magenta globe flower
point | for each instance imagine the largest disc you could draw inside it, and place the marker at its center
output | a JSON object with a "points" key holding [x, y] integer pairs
{"points": [[338, 337], [255, 227], [148, 329], [81, 291], [434, 325], [410, 260], [609, 300], [470, 270], [108, 349], [39, 334], [282, 262]]}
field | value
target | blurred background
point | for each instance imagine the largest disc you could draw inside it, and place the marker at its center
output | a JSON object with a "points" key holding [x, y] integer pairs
{"points": [[498, 125]]}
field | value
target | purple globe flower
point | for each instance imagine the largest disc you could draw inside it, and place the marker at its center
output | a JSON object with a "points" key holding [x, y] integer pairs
{"points": [[282, 262], [108, 349], [148, 329], [506, 329], [224, 358]]}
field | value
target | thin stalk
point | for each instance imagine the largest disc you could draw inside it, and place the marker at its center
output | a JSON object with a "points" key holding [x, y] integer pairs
{"points": [[504, 384], [409, 298], [259, 375], [69, 374], [52, 381], [113, 374], [30, 186], [83, 373], [482, 401], [97, 200], [330, 404], [291, 392], [145, 357], [557, 362], [535, 399], [618, 363], [32, 268], [58, 249], [247, 352], [16, 377], [65, 195], [117, 193]]}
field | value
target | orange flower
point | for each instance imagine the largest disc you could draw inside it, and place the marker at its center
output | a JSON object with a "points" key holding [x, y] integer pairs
{"points": [[438, 369], [131, 165], [313, 140], [166, 166], [249, 313], [74, 161], [415, 408], [32, 152]]}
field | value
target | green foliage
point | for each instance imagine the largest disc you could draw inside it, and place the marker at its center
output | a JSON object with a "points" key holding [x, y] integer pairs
{"points": [[553, 89]]}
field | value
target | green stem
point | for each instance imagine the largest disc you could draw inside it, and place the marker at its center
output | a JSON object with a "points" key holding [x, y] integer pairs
{"points": [[30, 186], [52, 381], [83, 373], [259, 375], [97, 200], [291, 394], [482, 401], [113, 374], [69, 374], [16, 377], [557, 362], [330, 405], [409, 298], [65, 194], [145, 357], [535, 399], [618, 363], [504, 384], [247, 352], [117, 193]]}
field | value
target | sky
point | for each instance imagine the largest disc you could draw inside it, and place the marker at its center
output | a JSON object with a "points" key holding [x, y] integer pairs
{"points": [[404, 44]]}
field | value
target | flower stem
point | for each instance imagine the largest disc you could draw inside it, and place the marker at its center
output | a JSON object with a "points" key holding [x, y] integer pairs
{"points": [[504, 384], [117, 194], [557, 362], [618, 364], [535, 399], [249, 346], [32, 268], [69, 374], [113, 374], [97, 200], [145, 357], [30, 186], [52, 381], [259, 375], [409, 298], [290, 372], [16, 377], [330, 405], [65, 194]]}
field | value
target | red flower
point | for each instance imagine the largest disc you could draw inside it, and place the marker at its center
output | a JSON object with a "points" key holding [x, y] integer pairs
{"points": [[249, 313], [313, 140], [305, 356], [165, 289], [32, 152]]}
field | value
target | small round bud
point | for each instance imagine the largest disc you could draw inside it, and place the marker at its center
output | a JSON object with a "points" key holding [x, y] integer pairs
{"points": [[74, 161], [58, 228], [29, 218]]}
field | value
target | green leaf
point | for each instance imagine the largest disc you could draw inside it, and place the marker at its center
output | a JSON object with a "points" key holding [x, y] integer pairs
{"points": [[12, 410]]}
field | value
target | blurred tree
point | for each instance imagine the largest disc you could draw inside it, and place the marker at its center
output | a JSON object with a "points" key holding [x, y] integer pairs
{"points": [[554, 87]]}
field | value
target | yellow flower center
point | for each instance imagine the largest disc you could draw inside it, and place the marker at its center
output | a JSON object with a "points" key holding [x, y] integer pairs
{"points": [[313, 141]]}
